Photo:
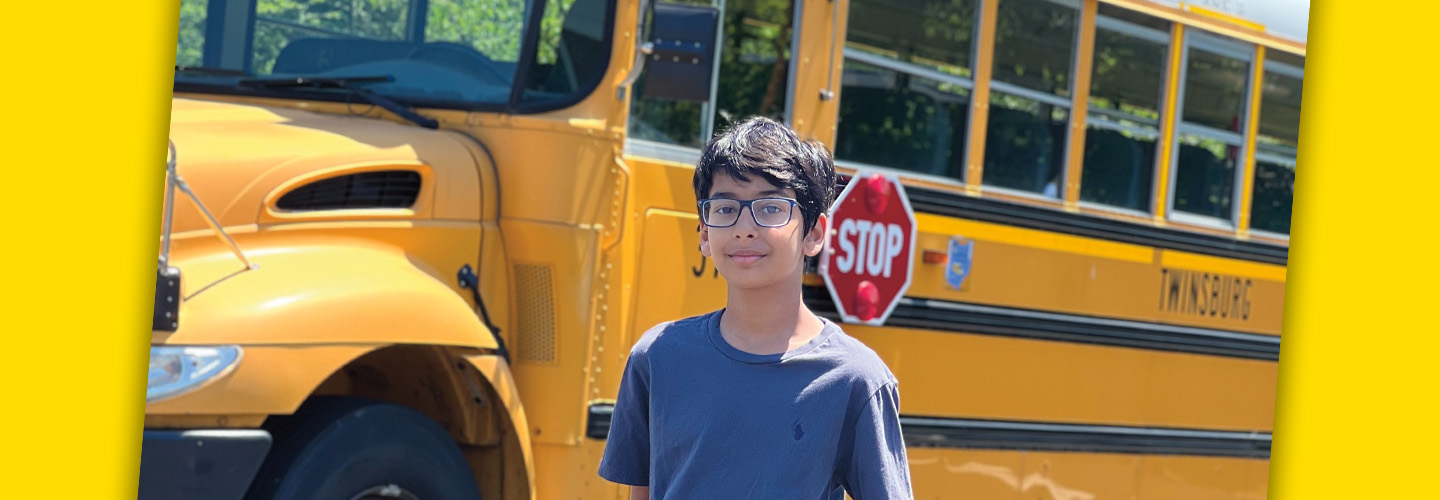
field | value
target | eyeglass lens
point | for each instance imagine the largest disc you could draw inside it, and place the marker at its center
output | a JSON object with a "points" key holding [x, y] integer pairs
{"points": [[769, 212]]}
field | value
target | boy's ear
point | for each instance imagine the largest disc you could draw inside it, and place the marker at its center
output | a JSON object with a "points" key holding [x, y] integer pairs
{"points": [[705, 240], [815, 239]]}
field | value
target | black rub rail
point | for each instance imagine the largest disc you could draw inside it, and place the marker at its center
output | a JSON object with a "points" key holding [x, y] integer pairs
{"points": [[963, 433], [967, 207], [962, 317]]}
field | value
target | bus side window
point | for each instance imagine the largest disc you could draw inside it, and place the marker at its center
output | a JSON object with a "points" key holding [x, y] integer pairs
{"points": [[1030, 95], [1123, 117], [1211, 126], [1276, 142], [1022, 149], [905, 89]]}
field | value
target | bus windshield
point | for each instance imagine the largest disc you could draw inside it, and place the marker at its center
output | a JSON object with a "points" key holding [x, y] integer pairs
{"points": [[440, 53]]}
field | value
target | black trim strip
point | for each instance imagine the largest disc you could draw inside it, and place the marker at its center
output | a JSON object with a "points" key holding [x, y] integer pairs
{"points": [[528, 49], [1025, 323], [1044, 219], [324, 96], [962, 433], [929, 432]]}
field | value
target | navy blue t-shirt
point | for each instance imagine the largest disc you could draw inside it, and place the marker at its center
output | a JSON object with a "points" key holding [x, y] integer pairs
{"points": [[697, 418]]}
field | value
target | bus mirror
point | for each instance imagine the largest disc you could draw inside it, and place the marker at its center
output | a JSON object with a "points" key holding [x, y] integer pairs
{"points": [[681, 55]]}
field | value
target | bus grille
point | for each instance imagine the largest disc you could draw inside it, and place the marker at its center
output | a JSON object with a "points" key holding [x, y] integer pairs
{"points": [[383, 189], [535, 293]]}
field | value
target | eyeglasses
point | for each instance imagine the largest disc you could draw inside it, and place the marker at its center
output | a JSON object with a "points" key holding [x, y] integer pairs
{"points": [[767, 212]]}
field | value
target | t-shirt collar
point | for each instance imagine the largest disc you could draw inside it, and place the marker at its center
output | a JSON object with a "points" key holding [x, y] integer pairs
{"points": [[712, 330]]}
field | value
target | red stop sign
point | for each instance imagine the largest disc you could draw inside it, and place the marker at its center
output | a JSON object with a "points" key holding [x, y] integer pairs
{"points": [[867, 260]]}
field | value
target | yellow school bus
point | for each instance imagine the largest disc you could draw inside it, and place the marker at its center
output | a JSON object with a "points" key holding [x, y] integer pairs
{"points": [[407, 244]]}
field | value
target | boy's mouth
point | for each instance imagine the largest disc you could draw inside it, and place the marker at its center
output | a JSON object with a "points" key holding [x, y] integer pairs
{"points": [[746, 257]]}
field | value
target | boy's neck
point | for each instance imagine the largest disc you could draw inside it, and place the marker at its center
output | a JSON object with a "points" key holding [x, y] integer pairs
{"points": [[769, 320]]}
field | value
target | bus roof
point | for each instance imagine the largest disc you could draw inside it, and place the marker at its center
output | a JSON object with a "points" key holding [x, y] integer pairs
{"points": [[1284, 18]]}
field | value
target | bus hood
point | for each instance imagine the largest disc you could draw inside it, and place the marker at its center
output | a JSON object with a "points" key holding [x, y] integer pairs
{"points": [[239, 157]]}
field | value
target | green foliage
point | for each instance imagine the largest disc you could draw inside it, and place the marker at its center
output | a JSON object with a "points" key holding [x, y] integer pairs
{"points": [[754, 60], [1127, 74], [907, 125], [550, 26], [753, 75], [278, 22], [192, 33], [1033, 45], [492, 27]]}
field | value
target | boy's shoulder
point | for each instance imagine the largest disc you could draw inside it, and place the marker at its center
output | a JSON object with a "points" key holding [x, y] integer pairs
{"points": [[667, 334], [858, 360]]}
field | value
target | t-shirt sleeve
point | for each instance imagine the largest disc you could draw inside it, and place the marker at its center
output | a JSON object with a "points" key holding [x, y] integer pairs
{"points": [[627, 449], [877, 468]]}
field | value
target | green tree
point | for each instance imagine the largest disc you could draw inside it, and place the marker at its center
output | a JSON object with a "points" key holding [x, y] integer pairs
{"points": [[191, 36]]}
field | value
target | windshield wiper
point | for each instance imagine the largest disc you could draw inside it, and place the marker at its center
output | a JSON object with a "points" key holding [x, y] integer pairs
{"points": [[347, 83], [210, 71]]}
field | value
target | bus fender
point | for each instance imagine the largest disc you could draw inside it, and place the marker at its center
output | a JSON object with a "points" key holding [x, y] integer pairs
{"points": [[342, 294], [516, 443]]}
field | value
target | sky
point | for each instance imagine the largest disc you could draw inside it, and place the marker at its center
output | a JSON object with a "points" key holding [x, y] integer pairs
{"points": [[1288, 18]]}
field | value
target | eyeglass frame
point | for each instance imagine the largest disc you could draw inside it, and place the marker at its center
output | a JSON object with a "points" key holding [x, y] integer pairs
{"points": [[790, 215]]}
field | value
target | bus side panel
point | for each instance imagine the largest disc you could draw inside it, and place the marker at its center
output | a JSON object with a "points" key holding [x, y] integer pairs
{"points": [[1070, 476], [1043, 270], [977, 474], [674, 281], [1203, 477], [1008, 475], [947, 374], [674, 285]]}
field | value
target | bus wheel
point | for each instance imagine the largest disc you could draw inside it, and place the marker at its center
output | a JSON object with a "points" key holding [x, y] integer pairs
{"points": [[341, 448]]}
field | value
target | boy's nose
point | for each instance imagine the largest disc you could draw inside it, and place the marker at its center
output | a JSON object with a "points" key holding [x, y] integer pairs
{"points": [[745, 227]]}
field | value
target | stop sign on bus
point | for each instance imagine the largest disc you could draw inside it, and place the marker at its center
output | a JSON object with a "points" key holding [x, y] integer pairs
{"points": [[867, 260]]}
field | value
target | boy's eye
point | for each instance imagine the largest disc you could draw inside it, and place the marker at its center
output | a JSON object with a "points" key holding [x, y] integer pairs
{"points": [[770, 209], [724, 210]]}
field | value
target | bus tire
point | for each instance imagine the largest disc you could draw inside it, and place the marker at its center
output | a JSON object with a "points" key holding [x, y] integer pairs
{"points": [[343, 448]]}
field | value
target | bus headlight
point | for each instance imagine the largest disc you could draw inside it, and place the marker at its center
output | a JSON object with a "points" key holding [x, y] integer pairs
{"points": [[175, 370]]}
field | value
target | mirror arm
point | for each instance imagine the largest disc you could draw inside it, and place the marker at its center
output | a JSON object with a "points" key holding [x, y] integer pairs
{"points": [[642, 48]]}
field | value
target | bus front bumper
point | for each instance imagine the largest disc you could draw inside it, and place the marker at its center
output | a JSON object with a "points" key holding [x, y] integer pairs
{"points": [[211, 464]]}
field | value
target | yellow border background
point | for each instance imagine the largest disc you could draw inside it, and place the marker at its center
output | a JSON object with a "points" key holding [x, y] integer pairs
{"points": [[86, 105], [1355, 416], [86, 100]]}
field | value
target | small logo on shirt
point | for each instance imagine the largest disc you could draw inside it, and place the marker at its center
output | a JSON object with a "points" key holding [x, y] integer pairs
{"points": [[799, 431]]}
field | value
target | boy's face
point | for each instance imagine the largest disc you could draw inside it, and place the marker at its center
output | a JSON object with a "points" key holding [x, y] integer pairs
{"points": [[754, 256]]}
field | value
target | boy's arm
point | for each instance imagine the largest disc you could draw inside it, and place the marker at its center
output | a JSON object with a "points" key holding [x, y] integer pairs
{"points": [[877, 468], [627, 448], [640, 493]]}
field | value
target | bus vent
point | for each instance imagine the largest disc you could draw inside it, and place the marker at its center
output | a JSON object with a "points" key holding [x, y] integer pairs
{"points": [[535, 307], [382, 189]]}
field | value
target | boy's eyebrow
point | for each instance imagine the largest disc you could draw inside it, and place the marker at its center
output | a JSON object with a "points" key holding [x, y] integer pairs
{"points": [[727, 194]]}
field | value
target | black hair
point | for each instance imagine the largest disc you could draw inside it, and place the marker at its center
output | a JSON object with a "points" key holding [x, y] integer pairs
{"points": [[766, 148]]}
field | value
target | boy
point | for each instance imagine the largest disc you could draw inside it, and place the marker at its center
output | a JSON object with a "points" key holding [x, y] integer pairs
{"points": [[761, 399]]}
